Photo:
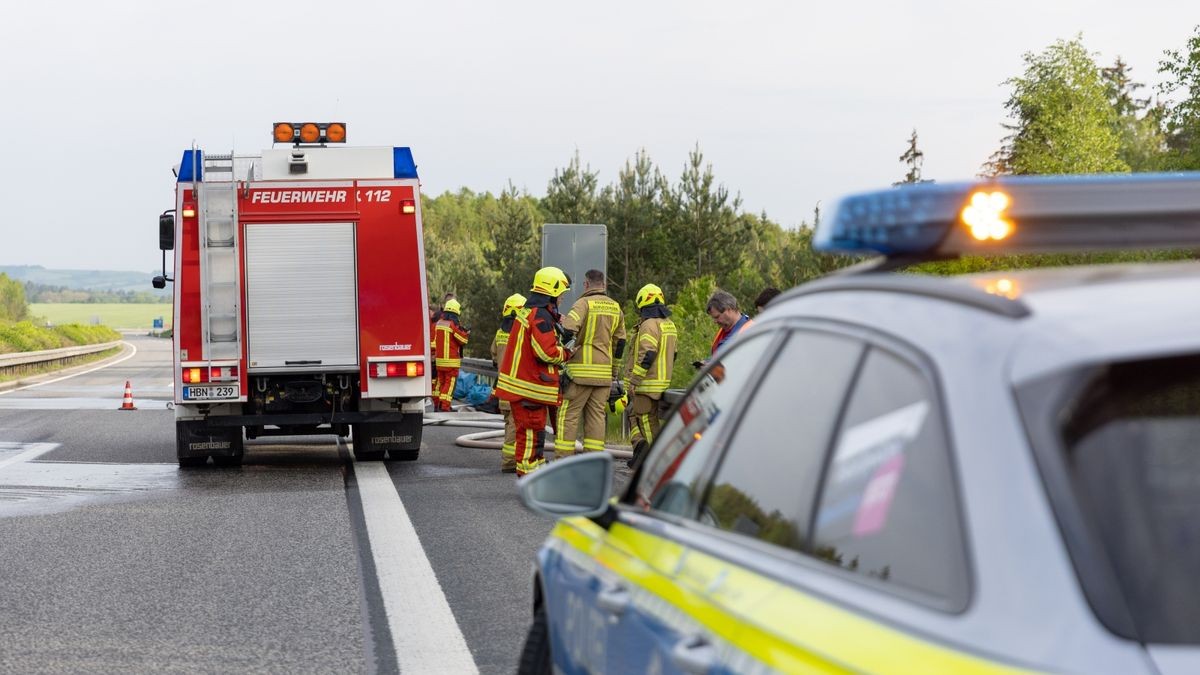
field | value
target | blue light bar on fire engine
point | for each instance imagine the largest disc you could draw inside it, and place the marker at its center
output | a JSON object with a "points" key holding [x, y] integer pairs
{"points": [[1018, 214]]}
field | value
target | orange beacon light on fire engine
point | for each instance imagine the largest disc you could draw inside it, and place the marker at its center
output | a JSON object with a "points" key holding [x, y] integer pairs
{"points": [[309, 132]]}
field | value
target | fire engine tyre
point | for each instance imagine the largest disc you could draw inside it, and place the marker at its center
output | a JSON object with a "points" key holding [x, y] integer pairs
{"points": [[535, 657]]}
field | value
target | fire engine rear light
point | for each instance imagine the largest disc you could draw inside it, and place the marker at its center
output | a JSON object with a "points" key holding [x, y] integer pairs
{"points": [[189, 210], [224, 374], [408, 206], [397, 369], [194, 375]]}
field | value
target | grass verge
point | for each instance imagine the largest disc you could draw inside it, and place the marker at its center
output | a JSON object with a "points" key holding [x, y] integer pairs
{"points": [[117, 315]]}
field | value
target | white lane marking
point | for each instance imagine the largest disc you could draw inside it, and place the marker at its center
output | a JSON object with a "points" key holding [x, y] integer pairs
{"points": [[426, 636], [31, 451], [67, 377]]}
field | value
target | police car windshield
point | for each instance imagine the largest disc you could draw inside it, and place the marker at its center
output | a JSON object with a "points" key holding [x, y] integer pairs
{"points": [[1132, 444]]}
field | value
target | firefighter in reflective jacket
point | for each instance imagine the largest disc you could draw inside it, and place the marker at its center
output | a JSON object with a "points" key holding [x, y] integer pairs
{"points": [[528, 374], [648, 370], [597, 325], [508, 451], [447, 353]]}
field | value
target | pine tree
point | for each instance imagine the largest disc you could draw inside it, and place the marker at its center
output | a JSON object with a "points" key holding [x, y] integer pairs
{"points": [[1137, 125], [571, 194], [1183, 115], [913, 158]]}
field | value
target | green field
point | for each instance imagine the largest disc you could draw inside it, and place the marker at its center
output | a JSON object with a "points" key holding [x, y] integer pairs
{"points": [[117, 315]]}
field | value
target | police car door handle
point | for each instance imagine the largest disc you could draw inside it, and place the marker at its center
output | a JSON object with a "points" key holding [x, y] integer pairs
{"points": [[613, 599], [694, 654]]}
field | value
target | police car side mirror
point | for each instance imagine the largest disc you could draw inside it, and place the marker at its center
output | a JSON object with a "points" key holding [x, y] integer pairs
{"points": [[575, 486], [166, 232]]}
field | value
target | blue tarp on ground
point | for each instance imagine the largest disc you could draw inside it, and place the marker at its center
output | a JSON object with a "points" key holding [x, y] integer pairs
{"points": [[470, 389]]}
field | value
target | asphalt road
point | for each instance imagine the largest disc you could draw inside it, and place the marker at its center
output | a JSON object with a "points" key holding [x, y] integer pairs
{"points": [[114, 559]]}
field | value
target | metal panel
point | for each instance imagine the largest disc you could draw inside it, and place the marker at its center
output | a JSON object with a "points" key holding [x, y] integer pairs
{"points": [[329, 163], [301, 296], [575, 249]]}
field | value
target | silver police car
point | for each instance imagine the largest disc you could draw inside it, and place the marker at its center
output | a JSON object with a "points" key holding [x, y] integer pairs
{"points": [[892, 472]]}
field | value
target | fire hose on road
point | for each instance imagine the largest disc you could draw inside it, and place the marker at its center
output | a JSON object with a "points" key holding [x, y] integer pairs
{"points": [[494, 437]]}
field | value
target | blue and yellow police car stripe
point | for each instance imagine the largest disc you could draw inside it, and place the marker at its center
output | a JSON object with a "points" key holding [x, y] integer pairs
{"points": [[756, 624]]}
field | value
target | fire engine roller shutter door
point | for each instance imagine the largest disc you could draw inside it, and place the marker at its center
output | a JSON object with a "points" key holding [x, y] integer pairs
{"points": [[301, 296]]}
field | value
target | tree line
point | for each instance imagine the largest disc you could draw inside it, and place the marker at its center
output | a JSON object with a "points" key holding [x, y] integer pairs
{"points": [[45, 293], [690, 234]]}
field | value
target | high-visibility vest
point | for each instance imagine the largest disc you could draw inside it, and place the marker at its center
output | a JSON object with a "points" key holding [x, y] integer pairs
{"points": [[448, 344], [529, 370], [651, 359], [599, 325]]}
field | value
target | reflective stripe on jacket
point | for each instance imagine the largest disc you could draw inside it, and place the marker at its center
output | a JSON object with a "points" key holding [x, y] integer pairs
{"points": [[448, 344], [498, 344], [598, 324], [529, 369], [652, 357]]}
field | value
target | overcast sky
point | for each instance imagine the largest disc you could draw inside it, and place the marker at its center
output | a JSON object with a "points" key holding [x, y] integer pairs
{"points": [[792, 102]]}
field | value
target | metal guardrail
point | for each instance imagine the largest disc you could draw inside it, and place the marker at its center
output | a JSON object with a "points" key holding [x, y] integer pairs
{"points": [[15, 362], [486, 372]]}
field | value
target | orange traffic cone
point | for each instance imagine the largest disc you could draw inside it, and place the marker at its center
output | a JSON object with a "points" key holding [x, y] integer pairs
{"points": [[127, 404]]}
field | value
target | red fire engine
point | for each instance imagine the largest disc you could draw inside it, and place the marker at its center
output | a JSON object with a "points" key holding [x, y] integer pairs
{"points": [[300, 298]]}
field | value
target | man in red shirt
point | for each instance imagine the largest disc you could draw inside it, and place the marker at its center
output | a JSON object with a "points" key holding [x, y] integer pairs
{"points": [[723, 308]]}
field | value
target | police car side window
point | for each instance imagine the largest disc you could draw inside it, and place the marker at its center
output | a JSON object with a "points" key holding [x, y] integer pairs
{"points": [[888, 506], [767, 481], [669, 479]]}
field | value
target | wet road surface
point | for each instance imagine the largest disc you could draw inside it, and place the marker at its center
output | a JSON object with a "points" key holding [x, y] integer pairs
{"points": [[115, 559]]}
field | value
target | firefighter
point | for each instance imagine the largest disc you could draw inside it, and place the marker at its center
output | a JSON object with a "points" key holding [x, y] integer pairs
{"points": [[449, 342], [597, 326], [508, 451], [648, 370], [528, 374]]}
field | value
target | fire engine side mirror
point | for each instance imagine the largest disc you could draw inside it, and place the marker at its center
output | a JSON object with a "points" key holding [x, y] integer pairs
{"points": [[159, 282], [166, 233]]}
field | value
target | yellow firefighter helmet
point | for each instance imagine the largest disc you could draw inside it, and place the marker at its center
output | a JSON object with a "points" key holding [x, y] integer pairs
{"points": [[512, 304], [551, 281], [649, 295]]}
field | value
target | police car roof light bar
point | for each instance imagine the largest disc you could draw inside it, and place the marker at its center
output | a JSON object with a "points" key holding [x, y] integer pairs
{"points": [[1018, 214]]}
